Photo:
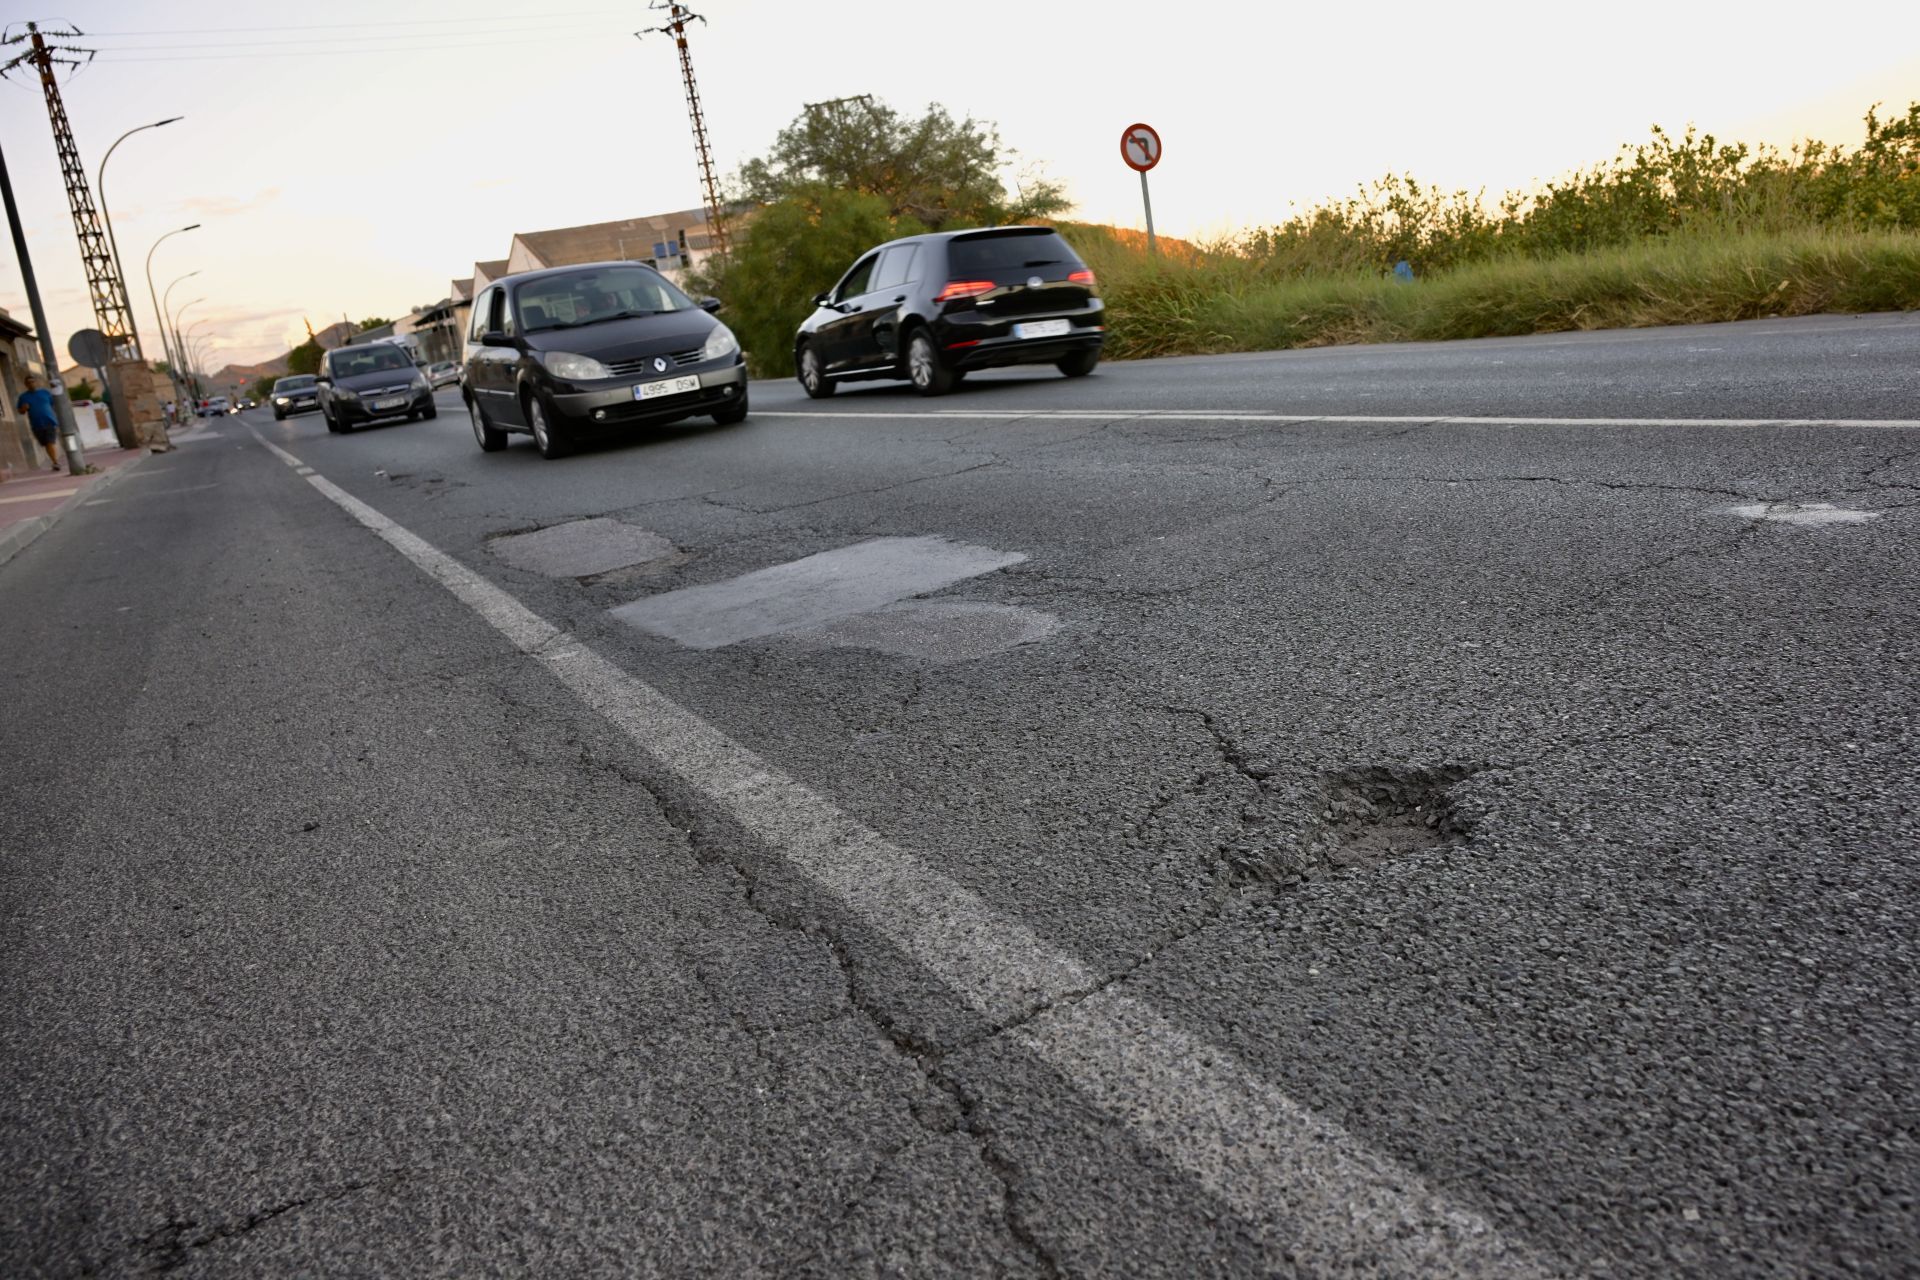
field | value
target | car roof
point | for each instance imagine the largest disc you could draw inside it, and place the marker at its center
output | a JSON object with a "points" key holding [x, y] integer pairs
{"points": [[522, 277], [944, 237]]}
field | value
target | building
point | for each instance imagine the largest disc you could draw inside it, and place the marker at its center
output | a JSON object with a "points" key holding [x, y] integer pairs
{"points": [[674, 242], [18, 453]]}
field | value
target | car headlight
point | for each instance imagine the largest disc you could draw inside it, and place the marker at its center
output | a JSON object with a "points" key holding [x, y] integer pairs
{"points": [[720, 342], [564, 364], [345, 394], [281, 400]]}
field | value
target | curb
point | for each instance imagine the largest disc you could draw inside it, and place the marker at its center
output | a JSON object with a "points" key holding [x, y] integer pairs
{"points": [[15, 538]]}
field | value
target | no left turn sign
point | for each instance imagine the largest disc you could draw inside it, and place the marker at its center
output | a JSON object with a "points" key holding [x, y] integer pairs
{"points": [[1140, 147]]}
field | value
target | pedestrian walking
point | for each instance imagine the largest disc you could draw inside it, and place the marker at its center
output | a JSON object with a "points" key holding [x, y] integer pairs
{"points": [[37, 403]]}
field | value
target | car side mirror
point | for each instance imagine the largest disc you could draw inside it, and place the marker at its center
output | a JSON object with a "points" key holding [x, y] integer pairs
{"points": [[322, 380], [821, 299], [710, 304], [495, 338]]}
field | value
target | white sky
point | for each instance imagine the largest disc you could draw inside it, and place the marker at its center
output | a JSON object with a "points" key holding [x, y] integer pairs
{"points": [[354, 157]]}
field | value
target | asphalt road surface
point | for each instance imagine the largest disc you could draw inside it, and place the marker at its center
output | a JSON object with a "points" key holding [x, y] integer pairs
{"points": [[1414, 811]]}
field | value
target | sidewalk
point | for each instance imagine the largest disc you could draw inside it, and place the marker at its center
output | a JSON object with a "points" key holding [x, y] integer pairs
{"points": [[31, 503]]}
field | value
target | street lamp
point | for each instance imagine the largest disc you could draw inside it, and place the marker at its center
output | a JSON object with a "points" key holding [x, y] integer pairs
{"points": [[173, 320], [107, 213], [167, 321], [150, 289]]}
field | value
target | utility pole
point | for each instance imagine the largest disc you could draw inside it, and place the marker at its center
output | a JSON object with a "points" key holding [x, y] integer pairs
{"points": [[108, 292], [69, 434], [678, 15]]}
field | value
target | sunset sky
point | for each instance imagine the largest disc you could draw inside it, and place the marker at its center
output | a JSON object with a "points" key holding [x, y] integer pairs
{"points": [[352, 158]]}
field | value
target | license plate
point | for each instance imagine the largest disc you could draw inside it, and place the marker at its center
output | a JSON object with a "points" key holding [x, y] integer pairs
{"points": [[391, 402], [665, 387], [1043, 329]]}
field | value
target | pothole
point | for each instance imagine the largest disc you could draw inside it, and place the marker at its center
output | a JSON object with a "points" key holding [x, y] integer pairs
{"points": [[1385, 812]]}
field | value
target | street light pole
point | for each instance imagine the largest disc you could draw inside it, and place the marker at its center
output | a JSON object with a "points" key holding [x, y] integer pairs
{"points": [[106, 214], [166, 334], [157, 316], [174, 320]]}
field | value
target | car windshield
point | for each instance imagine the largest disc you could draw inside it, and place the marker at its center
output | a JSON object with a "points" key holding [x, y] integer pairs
{"points": [[350, 362], [302, 383], [1008, 251], [590, 296]]}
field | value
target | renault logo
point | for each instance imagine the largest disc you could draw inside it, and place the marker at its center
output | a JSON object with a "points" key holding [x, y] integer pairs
{"points": [[660, 364]]}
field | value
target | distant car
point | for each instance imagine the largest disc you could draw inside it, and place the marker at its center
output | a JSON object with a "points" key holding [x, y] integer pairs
{"points": [[372, 381], [559, 352], [215, 407], [295, 393], [930, 309], [443, 373]]}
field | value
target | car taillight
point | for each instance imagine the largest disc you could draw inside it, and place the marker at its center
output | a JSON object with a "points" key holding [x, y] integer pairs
{"points": [[963, 289], [1082, 277]]}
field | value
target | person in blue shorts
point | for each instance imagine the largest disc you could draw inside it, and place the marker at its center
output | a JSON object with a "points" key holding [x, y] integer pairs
{"points": [[37, 403]]}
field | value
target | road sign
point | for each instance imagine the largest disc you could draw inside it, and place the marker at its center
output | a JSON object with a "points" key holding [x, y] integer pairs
{"points": [[89, 347], [1140, 147]]}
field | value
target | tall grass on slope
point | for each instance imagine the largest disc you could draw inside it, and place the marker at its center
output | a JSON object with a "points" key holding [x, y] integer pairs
{"points": [[1221, 303]]}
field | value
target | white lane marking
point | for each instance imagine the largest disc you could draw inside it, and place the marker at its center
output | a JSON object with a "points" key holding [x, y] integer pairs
{"points": [[1382, 420], [1312, 1188]]}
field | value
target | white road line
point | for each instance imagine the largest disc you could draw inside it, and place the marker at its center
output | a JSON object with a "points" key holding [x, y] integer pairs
{"points": [[1311, 1188], [1381, 420]]}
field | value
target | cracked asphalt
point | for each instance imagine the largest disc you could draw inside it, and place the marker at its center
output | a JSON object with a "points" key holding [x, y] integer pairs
{"points": [[342, 939]]}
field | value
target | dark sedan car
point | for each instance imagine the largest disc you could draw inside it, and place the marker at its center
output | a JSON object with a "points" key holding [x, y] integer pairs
{"points": [[372, 381], [295, 393], [930, 308], [562, 352]]}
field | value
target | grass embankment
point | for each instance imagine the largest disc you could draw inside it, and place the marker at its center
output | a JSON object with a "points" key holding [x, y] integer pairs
{"points": [[1213, 303]]}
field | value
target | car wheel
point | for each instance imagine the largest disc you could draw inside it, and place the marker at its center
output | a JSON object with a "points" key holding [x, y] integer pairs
{"points": [[1079, 364], [279, 416], [812, 376], [430, 412], [333, 424], [492, 439], [733, 413], [547, 436], [930, 377]]}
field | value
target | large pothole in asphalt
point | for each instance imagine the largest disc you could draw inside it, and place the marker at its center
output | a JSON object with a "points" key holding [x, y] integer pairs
{"points": [[1377, 814]]}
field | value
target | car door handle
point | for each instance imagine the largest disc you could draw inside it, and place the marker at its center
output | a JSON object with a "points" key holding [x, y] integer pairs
{"points": [[901, 298]]}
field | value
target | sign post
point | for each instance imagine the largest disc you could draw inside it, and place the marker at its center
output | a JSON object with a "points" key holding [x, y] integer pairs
{"points": [[89, 347], [1140, 148]]}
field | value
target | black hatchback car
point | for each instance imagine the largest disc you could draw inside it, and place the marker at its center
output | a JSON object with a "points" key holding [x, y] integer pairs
{"points": [[370, 381], [930, 308], [562, 352]]}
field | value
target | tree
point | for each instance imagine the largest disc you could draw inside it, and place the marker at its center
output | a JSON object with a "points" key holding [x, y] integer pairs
{"points": [[82, 390], [305, 358], [934, 168], [261, 388], [792, 250], [373, 322]]}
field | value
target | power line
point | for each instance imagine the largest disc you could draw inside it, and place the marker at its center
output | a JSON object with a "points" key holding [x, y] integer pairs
{"points": [[375, 40], [329, 53], [335, 26]]}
